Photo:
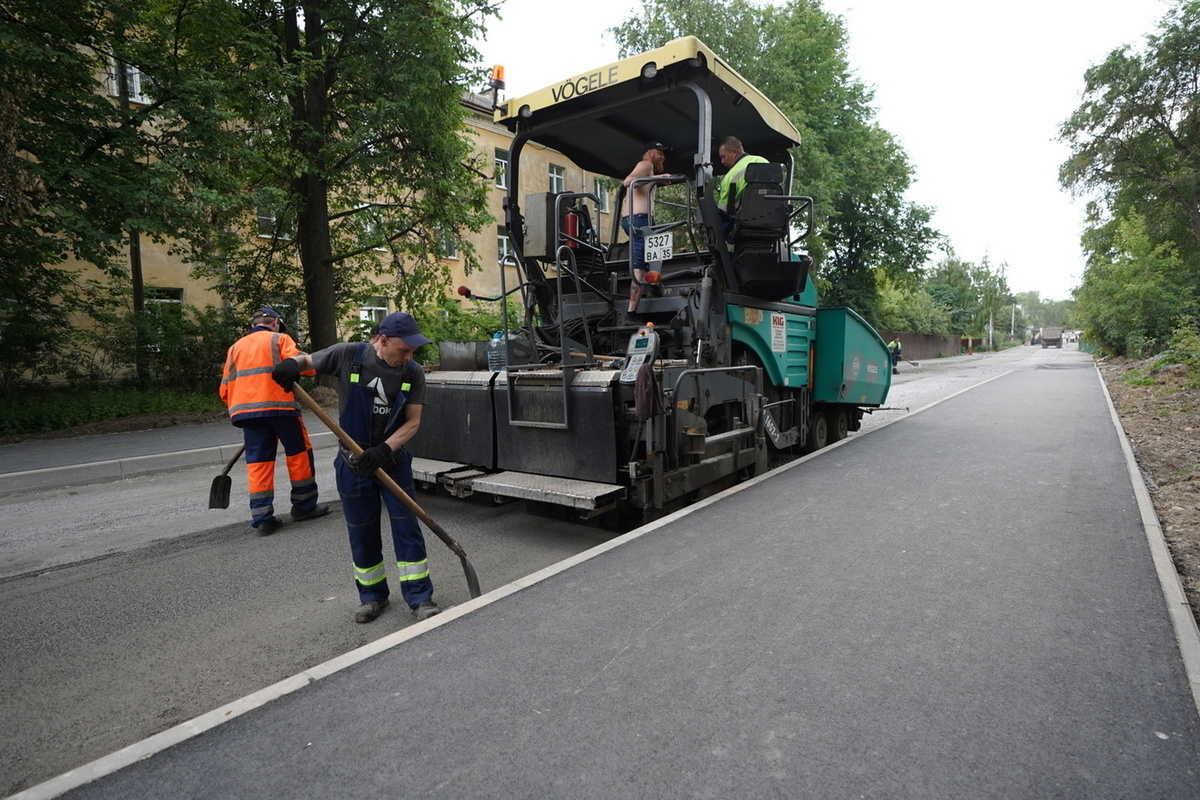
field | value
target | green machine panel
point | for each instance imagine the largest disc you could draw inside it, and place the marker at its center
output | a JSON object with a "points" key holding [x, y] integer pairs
{"points": [[852, 364], [780, 338]]}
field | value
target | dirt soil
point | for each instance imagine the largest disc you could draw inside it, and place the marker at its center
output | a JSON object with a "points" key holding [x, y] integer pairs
{"points": [[1162, 420]]}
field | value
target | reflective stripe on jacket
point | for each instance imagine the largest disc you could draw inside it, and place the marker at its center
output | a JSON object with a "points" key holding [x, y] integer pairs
{"points": [[247, 388]]}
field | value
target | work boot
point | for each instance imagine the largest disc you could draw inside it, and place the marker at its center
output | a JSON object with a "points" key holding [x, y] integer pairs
{"points": [[369, 610], [268, 526], [426, 610], [299, 515]]}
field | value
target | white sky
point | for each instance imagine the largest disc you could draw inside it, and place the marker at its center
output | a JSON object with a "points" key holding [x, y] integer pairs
{"points": [[974, 92]]}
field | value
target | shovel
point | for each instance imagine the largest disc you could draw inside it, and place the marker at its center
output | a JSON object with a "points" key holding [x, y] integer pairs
{"points": [[218, 493], [390, 483]]}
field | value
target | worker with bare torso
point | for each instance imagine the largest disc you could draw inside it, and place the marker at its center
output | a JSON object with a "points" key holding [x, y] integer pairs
{"points": [[652, 165]]}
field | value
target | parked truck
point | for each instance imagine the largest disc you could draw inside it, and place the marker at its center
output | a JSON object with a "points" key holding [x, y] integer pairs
{"points": [[1052, 337], [728, 358]]}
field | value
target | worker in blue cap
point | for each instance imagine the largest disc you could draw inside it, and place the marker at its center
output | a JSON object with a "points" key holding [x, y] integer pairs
{"points": [[381, 391]]}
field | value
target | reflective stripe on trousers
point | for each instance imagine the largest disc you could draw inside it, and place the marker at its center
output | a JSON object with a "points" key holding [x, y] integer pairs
{"points": [[369, 576], [413, 570], [262, 437], [363, 501]]}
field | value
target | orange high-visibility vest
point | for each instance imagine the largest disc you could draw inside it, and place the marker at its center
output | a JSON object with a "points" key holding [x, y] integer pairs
{"points": [[247, 388]]}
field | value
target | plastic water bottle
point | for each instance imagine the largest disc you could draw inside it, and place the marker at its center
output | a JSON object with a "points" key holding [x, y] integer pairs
{"points": [[497, 353]]}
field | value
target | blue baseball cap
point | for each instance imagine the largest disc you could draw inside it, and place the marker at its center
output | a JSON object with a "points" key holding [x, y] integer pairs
{"points": [[403, 326], [262, 314]]}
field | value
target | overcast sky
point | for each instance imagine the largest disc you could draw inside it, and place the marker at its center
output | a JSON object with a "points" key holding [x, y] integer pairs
{"points": [[974, 92]]}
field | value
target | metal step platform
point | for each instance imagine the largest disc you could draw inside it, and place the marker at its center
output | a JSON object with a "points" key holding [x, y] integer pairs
{"points": [[462, 480]]}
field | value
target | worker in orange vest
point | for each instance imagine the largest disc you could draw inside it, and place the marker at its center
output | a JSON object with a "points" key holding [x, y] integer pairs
{"points": [[269, 416]]}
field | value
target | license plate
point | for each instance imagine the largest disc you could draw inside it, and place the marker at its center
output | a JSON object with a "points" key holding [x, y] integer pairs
{"points": [[658, 247]]}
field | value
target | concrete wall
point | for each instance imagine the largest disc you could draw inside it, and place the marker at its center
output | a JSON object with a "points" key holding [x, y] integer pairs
{"points": [[921, 345]]}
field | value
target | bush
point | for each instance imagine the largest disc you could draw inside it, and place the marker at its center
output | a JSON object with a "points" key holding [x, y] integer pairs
{"points": [[1138, 346], [169, 345], [38, 411], [1185, 351], [448, 322]]}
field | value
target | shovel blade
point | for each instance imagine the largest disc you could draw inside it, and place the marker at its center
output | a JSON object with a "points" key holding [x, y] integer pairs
{"points": [[218, 493]]}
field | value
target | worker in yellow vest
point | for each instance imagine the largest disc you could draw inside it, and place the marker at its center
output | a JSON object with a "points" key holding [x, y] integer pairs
{"points": [[733, 183], [895, 348]]}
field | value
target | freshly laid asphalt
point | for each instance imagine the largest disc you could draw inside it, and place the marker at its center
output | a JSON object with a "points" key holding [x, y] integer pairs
{"points": [[962, 604]]}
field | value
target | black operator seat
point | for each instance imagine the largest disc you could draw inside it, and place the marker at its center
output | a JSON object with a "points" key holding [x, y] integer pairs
{"points": [[762, 215]]}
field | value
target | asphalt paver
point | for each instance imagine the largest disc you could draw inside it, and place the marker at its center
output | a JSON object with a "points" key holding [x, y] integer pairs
{"points": [[963, 604]]}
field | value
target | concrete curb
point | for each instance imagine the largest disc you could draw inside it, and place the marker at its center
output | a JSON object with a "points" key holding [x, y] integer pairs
{"points": [[117, 469]]}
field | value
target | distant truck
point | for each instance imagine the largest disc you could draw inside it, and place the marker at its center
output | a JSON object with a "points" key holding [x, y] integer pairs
{"points": [[1052, 337]]}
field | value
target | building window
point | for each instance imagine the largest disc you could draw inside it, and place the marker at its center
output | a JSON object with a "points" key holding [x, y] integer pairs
{"points": [[558, 179], [159, 294], [270, 226], [504, 249], [501, 168], [448, 246], [164, 310], [601, 191], [135, 83], [373, 310]]}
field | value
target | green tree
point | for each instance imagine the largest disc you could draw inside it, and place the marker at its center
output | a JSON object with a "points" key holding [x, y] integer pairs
{"points": [[84, 172], [795, 52], [360, 156], [952, 286], [975, 296], [339, 120], [1133, 305], [913, 310], [1135, 143]]}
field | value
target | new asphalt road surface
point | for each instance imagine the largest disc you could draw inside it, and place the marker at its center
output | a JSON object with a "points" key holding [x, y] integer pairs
{"points": [[968, 603]]}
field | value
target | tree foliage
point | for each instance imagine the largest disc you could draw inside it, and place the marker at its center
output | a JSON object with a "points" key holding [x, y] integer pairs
{"points": [[912, 310], [339, 119], [795, 53], [973, 295], [361, 154], [81, 170], [1135, 143], [1041, 313], [1133, 304]]}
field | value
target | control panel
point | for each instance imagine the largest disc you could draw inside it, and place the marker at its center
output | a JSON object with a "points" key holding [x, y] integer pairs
{"points": [[643, 347]]}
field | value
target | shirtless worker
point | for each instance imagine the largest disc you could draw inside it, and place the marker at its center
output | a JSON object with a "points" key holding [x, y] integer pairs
{"points": [[654, 158]]}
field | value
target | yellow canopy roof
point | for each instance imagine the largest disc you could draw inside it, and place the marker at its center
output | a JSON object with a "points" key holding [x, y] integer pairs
{"points": [[601, 119]]}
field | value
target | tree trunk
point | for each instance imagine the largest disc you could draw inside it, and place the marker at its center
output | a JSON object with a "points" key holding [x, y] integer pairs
{"points": [[309, 110], [316, 260]]}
